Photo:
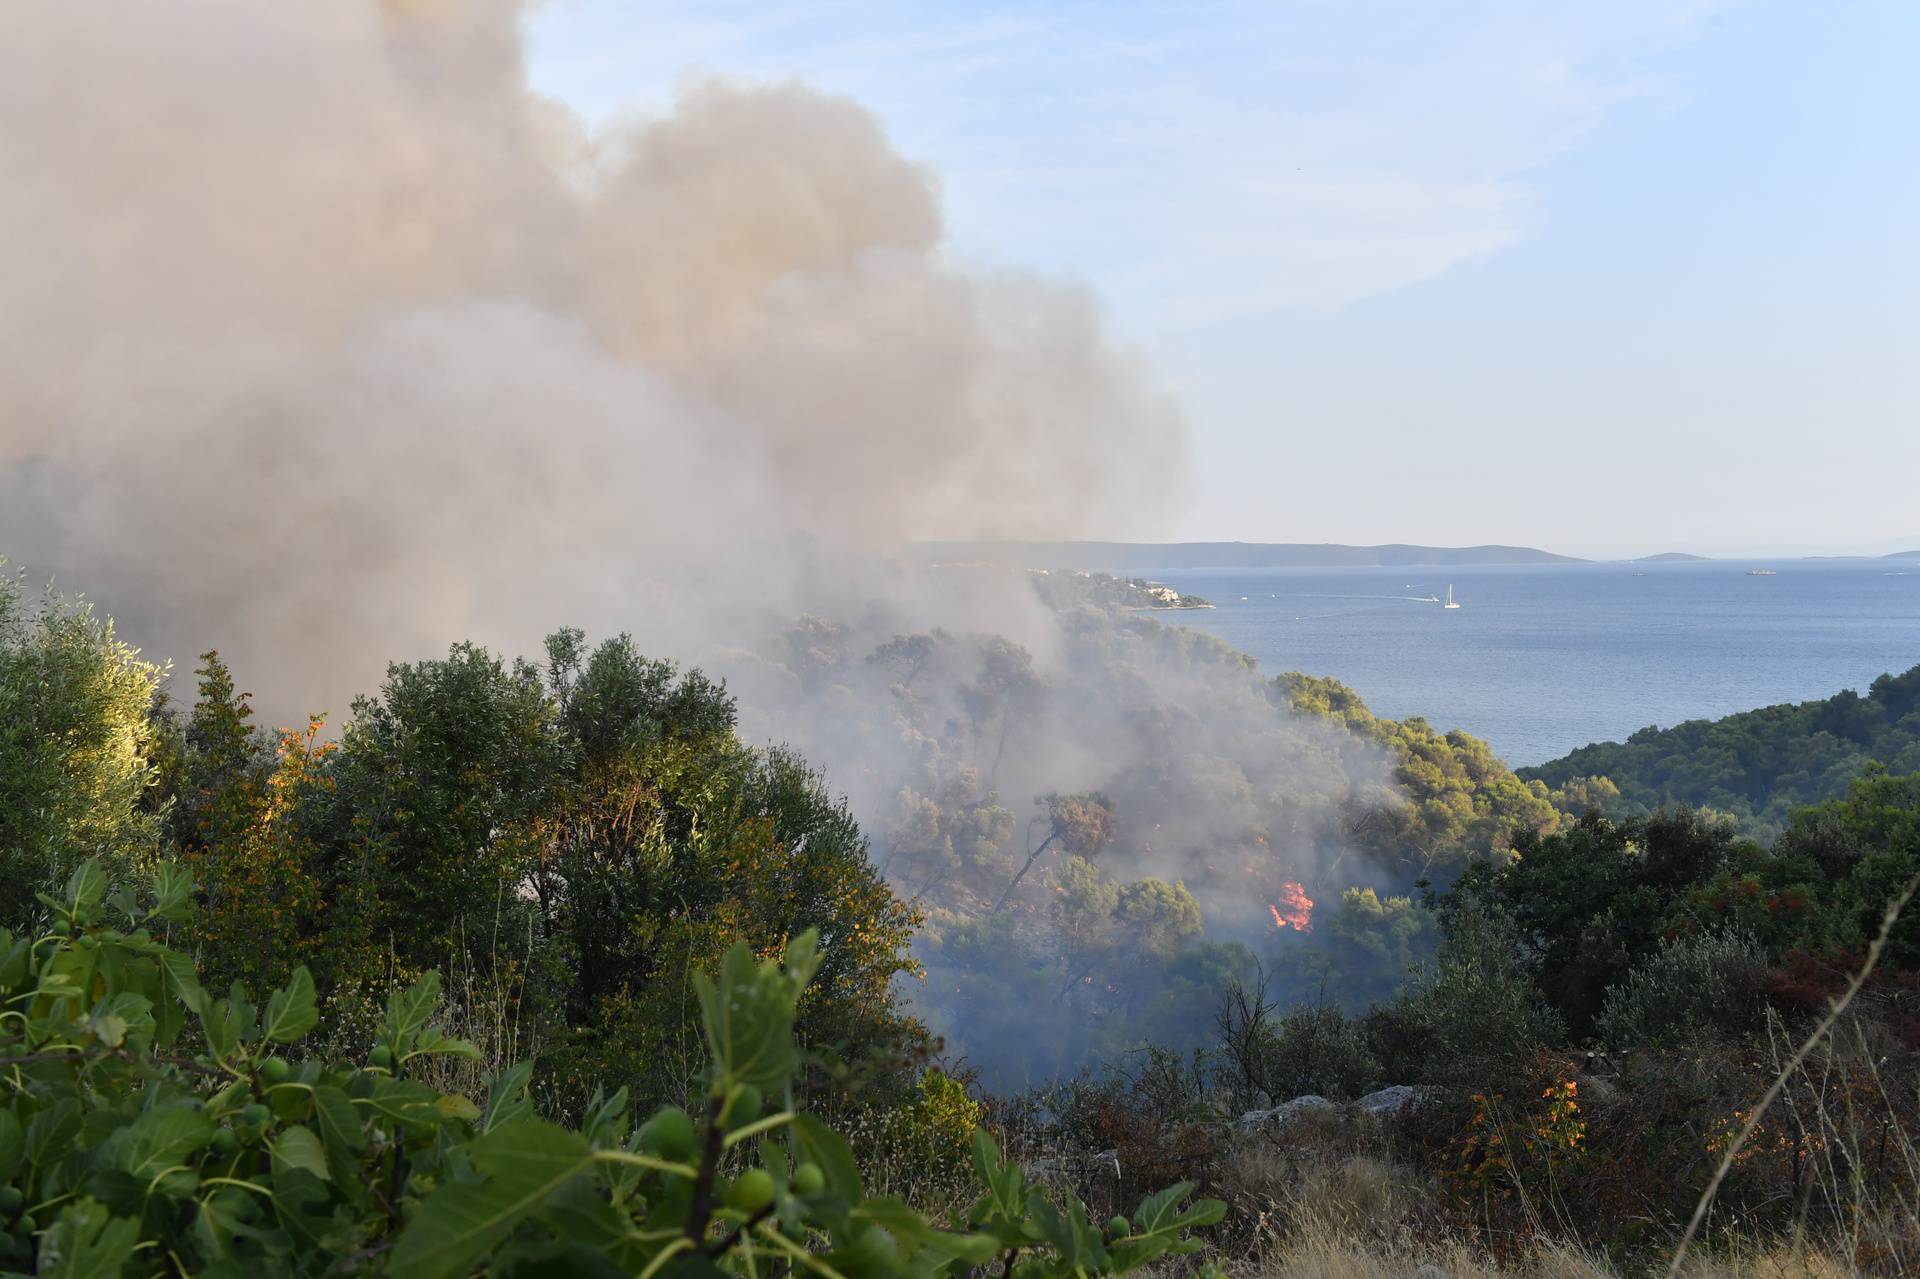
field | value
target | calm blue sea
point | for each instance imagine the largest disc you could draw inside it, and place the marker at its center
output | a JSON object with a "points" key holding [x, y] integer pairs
{"points": [[1543, 658]]}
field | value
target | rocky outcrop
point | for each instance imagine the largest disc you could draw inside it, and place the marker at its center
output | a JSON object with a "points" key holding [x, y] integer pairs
{"points": [[1102, 1165], [1393, 1100], [1386, 1103], [1287, 1112]]}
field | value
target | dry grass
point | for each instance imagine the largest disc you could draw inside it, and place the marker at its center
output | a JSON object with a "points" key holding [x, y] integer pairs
{"points": [[1331, 1257], [1305, 1216], [1839, 1122], [1357, 1198], [1322, 1254]]}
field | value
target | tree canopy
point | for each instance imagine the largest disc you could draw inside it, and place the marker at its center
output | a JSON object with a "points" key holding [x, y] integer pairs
{"points": [[1760, 765], [78, 747]]}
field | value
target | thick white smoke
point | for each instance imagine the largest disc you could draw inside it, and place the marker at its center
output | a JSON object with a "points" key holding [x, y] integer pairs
{"points": [[328, 342]]}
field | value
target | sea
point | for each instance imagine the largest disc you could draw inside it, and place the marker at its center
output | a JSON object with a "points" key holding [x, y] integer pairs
{"points": [[1542, 658]]}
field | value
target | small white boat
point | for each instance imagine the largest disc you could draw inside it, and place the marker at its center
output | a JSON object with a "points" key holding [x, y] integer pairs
{"points": [[1451, 602]]}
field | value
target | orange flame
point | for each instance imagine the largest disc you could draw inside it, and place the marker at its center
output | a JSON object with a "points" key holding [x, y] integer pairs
{"points": [[1298, 912]]}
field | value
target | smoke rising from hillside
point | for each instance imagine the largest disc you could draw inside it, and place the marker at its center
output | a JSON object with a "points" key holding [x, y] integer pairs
{"points": [[328, 342]]}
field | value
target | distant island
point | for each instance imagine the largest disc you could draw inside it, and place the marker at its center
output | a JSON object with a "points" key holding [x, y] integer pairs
{"points": [[1902, 555], [1124, 557], [1671, 557]]}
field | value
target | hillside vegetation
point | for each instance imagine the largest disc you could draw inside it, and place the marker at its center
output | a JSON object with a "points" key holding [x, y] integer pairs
{"points": [[516, 908], [1757, 766], [1111, 827]]}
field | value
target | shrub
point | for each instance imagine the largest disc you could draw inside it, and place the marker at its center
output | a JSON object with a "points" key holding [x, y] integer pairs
{"points": [[1707, 981], [1319, 1050], [921, 1151], [1266, 1058], [121, 1143], [1476, 1021]]}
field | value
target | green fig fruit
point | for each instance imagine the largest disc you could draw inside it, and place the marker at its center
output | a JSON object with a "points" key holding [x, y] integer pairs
{"points": [[808, 1179], [753, 1191], [669, 1134], [743, 1109]]}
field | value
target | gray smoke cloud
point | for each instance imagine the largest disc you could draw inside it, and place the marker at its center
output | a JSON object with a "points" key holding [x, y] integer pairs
{"points": [[328, 341]]}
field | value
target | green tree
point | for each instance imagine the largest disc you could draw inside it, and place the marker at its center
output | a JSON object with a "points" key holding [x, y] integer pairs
{"points": [[76, 740], [1461, 799], [432, 823], [574, 838], [237, 829], [1082, 825], [1363, 949], [669, 840], [1156, 919], [1865, 845], [1589, 901], [1474, 1021]]}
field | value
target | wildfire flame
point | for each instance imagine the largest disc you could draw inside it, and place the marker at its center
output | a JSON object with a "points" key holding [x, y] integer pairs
{"points": [[1294, 909]]}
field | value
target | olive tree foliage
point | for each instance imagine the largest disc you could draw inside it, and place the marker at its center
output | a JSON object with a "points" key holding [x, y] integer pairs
{"points": [[76, 737], [1711, 981]]}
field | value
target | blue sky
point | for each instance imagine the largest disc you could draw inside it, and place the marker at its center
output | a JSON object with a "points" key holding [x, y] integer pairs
{"points": [[1611, 278]]}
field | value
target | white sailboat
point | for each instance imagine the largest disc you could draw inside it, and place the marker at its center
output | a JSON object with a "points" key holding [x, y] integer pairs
{"points": [[1450, 600]]}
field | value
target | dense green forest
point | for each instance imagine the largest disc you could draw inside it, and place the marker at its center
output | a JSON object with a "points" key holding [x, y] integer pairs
{"points": [[463, 939], [1757, 766]]}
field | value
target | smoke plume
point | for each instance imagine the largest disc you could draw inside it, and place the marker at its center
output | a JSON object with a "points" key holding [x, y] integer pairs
{"points": [[328, 341]]}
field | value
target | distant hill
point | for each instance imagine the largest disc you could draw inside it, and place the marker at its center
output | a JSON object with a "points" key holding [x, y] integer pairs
{"points": [[1671, 557], [1113, 557], [1758, 765], [1902, 555]]}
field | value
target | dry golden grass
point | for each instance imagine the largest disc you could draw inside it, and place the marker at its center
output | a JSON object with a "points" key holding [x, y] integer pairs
{"points": [[1361, 1217], [1325, 1255]]}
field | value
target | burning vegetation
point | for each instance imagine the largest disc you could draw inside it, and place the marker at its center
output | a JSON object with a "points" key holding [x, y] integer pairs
{"points": [[1294, 909]]}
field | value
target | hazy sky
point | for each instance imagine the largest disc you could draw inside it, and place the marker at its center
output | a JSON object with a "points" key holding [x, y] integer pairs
{"points": [[1610, 278]]}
